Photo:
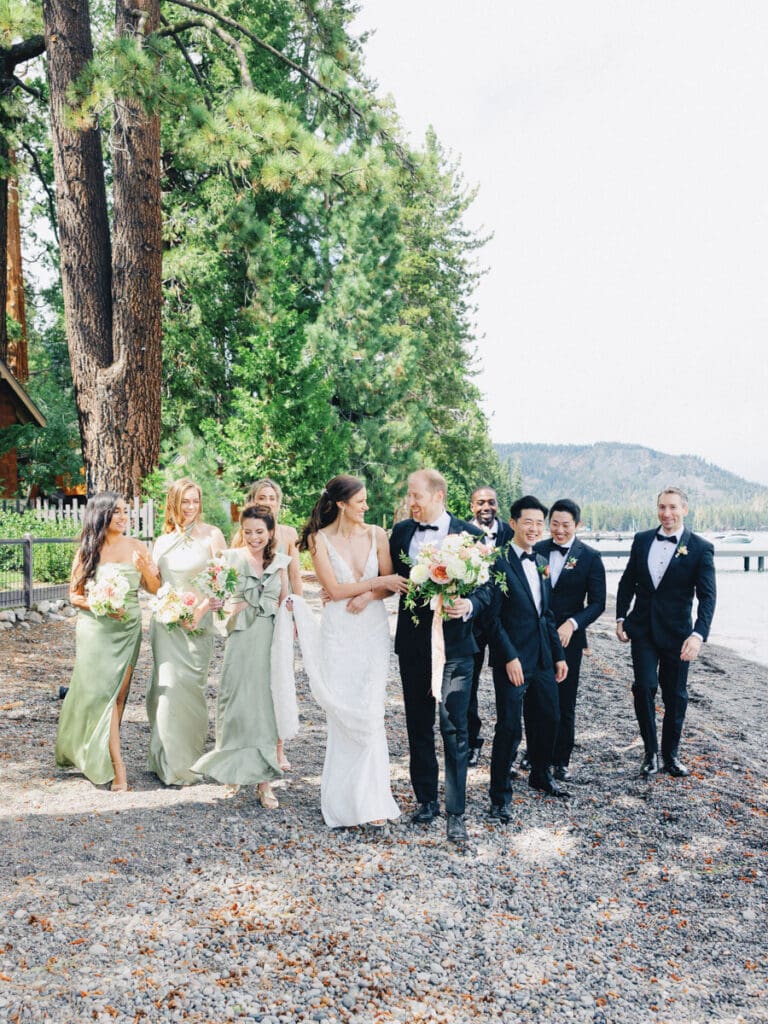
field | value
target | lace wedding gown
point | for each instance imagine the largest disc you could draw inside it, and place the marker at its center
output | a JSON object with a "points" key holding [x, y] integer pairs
{"points": [[353, 660]]}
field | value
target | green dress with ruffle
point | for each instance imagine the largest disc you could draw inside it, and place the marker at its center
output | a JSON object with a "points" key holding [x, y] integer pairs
{"points": [[246, 731]]}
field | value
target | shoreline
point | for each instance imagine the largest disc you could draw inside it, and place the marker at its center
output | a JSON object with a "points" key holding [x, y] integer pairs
{"points": [[635, 902]]}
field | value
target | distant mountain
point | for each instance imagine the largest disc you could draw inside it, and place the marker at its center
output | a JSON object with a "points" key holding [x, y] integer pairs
{"points": [[623, 474]]}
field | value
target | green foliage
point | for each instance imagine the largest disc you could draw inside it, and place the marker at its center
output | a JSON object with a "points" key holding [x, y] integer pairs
{"points": [[318, 277], [54, 451], [51, 562]]}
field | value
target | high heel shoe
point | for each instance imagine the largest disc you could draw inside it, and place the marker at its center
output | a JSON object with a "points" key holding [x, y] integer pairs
{"points": [[267, 797]]}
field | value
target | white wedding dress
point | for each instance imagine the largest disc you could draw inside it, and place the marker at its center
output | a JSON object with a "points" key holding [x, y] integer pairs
{"points": [[354, 664]]}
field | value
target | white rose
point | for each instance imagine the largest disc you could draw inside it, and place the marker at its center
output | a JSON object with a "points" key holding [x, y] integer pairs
{"points": [[456, 568], [419, 574]]}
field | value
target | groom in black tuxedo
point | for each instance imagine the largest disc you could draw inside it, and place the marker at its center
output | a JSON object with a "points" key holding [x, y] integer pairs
{"points": [[666, 569], [431, 522], [577, 577], [484, 505], [527, 659]]}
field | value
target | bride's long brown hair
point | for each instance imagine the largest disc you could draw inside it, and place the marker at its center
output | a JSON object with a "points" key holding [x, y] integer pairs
{"points": [[326, 511]]}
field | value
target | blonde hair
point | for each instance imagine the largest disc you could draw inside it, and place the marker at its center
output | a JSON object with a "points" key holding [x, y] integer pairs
{"points": [[256, 486], [435, 481], [174, 520]]}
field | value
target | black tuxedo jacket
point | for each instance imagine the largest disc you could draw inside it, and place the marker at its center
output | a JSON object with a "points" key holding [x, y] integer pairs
{"points": [[482, 622], [579, 593], [413, 640], [516, 628], [663, 615]]}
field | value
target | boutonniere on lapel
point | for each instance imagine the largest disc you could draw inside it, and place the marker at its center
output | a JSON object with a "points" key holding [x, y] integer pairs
{"points": [[682, 551], [571, 563], [544, 570]]}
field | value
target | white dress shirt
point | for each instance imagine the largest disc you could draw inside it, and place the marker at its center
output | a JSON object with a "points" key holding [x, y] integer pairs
{"points": [[557, 562], [422, 537], [532, 575], [660, 554], [491, 532]]}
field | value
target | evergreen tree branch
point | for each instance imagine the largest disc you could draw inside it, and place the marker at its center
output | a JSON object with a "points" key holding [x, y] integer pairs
{"points": [[174, 32], [22, 52], [264, 45], [28, 89], [49, 196], [210, 25]]}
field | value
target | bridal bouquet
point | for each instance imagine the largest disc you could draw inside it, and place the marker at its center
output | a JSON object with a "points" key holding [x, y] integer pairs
{"points": [[217, 580], [441, 573], [174, 607], [106, 596]]}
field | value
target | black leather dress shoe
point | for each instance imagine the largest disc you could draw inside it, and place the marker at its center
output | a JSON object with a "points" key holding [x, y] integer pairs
{"points": [[650, 765], [514, 773], [675, 768], [561, 773], [456, 830], [474, 757], [500, 812], [546, 784], [426, 812], [525, 764]]}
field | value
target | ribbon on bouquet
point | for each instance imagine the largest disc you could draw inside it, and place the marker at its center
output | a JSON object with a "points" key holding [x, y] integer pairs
{"points": [[437, 643]]}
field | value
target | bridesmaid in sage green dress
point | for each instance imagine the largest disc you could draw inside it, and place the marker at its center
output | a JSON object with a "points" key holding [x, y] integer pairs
{"points": [[269, 494], [176, 705], [246, 731], [107, 646]]}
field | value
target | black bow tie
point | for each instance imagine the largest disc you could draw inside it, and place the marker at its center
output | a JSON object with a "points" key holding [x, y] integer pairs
{"points": [[560, 548], [526, 555], [426, 526], [670, 540]]}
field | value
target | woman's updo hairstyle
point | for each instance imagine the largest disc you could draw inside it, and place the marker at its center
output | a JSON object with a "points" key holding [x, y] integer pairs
{"points": [[326, 511]]}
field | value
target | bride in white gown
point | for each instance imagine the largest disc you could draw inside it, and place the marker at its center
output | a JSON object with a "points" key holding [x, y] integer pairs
{"points": [[353, 565]]}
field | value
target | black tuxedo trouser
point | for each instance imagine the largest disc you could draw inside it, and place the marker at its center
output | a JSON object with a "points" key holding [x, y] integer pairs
{"points": [[420, 723], [537, 699], [567, 692], [474, 723], [656, 667]]}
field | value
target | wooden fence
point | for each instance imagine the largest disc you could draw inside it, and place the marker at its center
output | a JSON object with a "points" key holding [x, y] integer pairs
{"points": [[141, 514]]}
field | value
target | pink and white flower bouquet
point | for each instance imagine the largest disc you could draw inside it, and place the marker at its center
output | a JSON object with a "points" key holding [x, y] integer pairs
{"points": [[449, 570], [217, 580], [106, 596], [174, 607]]}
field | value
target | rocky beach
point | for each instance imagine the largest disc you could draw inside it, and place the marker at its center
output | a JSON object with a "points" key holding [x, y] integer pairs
{"points": [[636, 902]]}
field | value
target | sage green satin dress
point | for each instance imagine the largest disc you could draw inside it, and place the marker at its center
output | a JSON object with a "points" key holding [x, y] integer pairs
{"points": [[176, 705], [246, 731], [105, 648]]}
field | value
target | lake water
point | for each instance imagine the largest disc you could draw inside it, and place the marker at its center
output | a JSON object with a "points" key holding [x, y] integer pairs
{"points": [[741, 616]]}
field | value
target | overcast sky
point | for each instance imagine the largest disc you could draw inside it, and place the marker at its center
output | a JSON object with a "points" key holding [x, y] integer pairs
{"points": [[620, 149]]}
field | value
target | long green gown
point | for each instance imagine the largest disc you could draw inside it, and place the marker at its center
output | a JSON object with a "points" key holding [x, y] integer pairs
{"points": [[105, 648], [176, 705], [246, 732]]}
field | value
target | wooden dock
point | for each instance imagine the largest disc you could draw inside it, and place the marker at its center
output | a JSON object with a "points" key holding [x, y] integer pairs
{"points": [[746, 552]]}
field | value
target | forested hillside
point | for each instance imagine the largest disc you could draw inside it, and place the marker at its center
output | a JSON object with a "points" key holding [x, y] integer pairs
{"points": [[616, 484]]}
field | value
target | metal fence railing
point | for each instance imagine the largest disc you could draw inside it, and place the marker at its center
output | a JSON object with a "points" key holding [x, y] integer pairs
{"points": [[34, 569]]}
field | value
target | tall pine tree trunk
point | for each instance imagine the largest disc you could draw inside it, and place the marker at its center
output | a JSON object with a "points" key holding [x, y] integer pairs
{"points": [[112, 286], [3, 246]]}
